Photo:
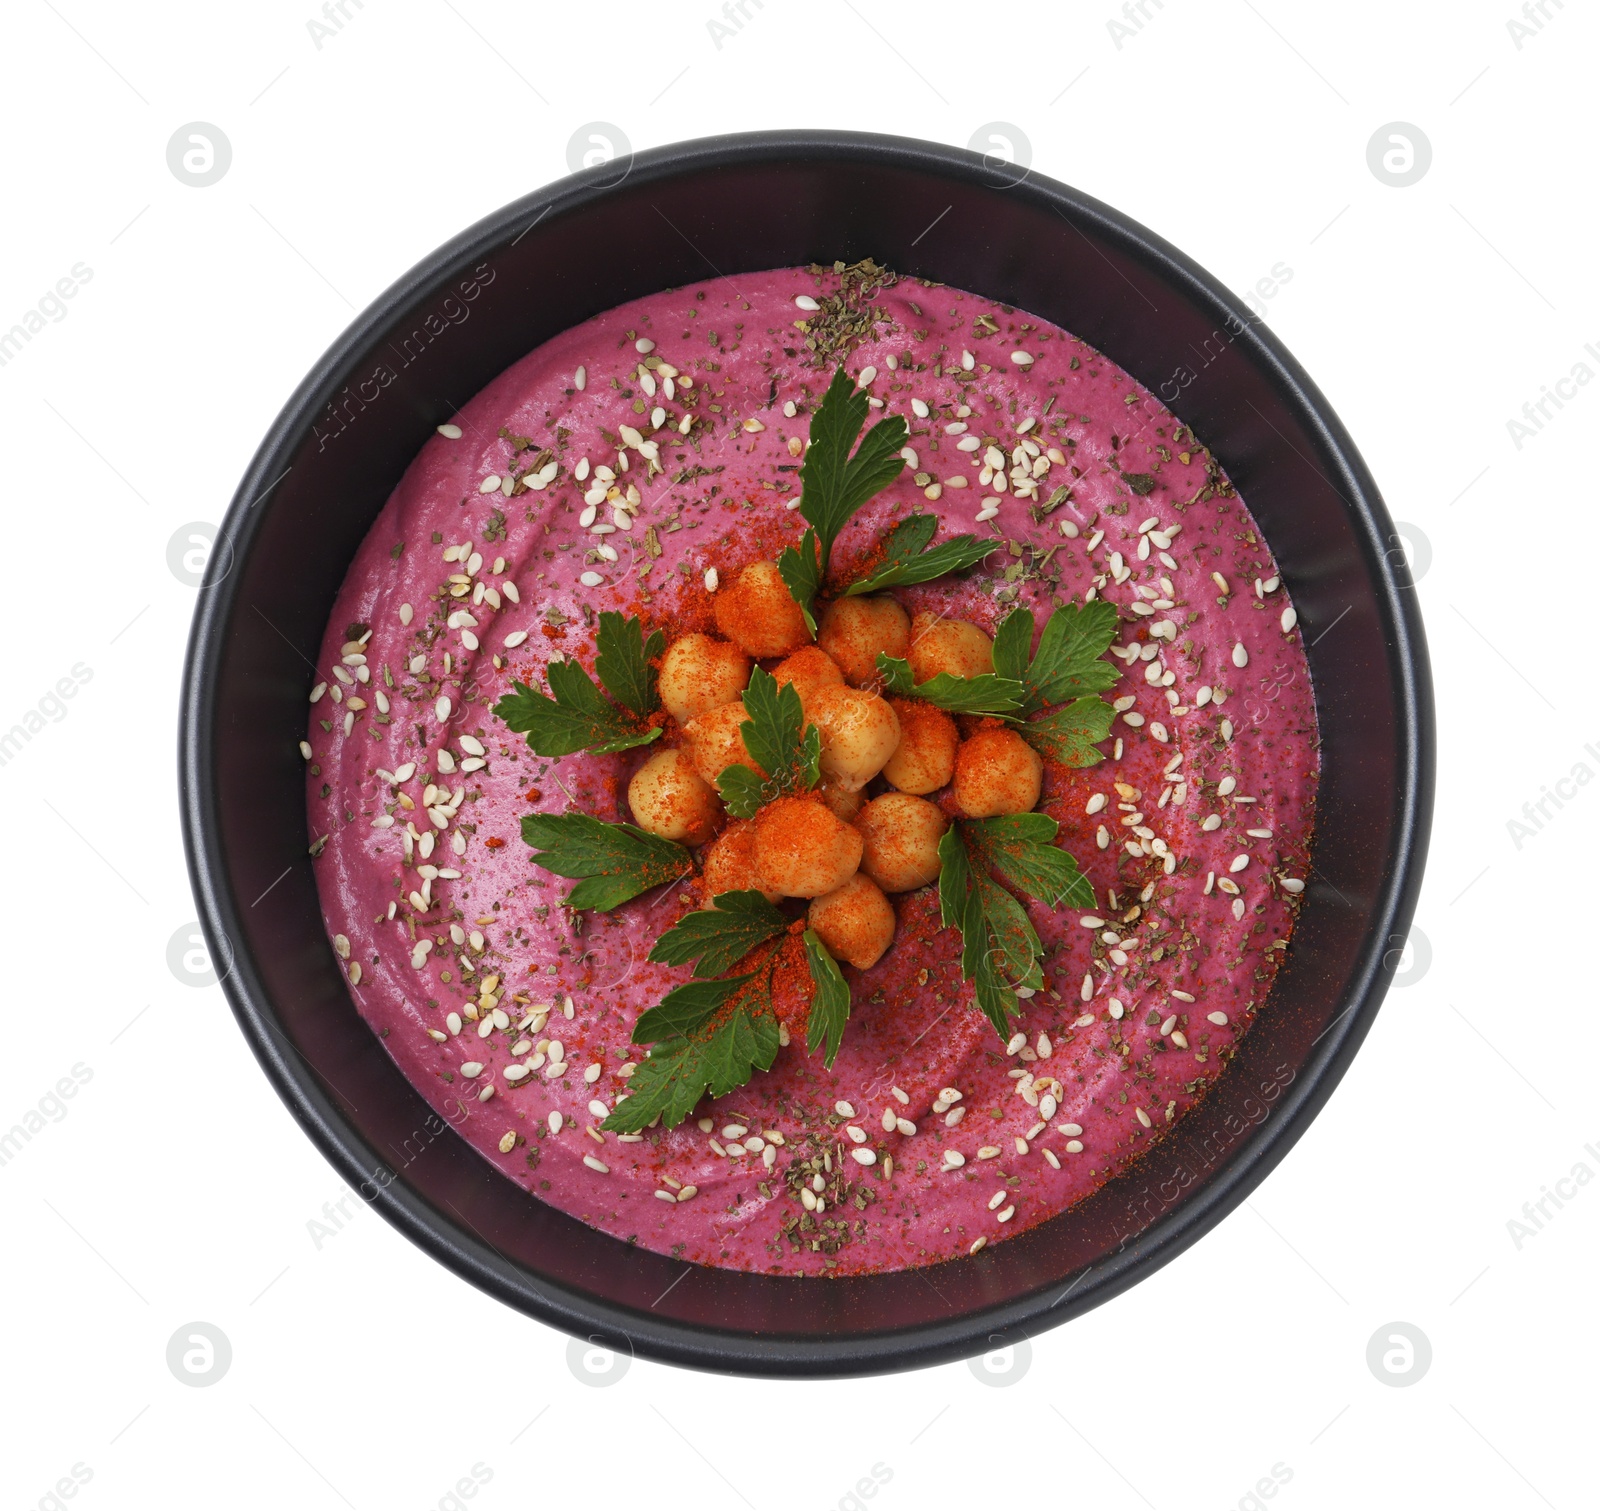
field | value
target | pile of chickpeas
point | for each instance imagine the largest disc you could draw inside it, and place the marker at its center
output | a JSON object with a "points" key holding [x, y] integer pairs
{"points": [[833, 845]]}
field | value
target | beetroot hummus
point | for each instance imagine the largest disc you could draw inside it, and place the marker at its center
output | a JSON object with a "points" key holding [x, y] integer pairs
{"points": [[638, 463]]}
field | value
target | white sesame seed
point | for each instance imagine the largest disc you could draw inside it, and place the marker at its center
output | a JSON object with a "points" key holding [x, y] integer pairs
{"points": [[600, 1166], [805, 302], [1291, 884], [865, 376], [1239, 862], [449, 432], [864, 1156], [441, 708], [644, 346], [1288, 619], [590, 579], [1241, 657], [711, 579], [1022, 359]]}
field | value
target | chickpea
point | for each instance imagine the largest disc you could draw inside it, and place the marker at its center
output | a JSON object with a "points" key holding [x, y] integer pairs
{"points": [[730, 863], [716, 743], [699, 673], [859, 733], [855, 922], [925, 759], [845, 802], [901, 835], [668, 797], [802, 849], [808, 669], [956, 646], [757, 612], [997, 772], [854, 630]]}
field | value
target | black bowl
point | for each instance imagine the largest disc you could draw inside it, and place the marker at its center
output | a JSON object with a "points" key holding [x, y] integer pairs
{"points": [[675, 216]]}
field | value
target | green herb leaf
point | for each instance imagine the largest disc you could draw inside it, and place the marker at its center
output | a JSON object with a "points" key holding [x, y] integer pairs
{"points": [[623, 657], [966, 898], [830, 1002], [1022, 848], [1139, 483], [1068, 734], [779, 740], [834, 483], [616, 861], [989, 693], [720, 936], [686, 1009], [1000, 948], [576, 718], [712, 1036], [1070, 660], [800, 567], [907, 558]]}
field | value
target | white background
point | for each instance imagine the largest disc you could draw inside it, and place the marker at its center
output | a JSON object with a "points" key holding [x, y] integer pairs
{"points": [[176, 1188]]}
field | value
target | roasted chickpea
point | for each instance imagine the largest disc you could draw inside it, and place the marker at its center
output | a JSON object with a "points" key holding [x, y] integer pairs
{"points": [[668, 797], [854, 630], [997, 772], [730, 863], [802, 849], [716, 743], [925, 759], [699, 673], [808, 669], [855, 922], [844, 801], [757, 612], [859, 733], [956, 646], [900, 836]]}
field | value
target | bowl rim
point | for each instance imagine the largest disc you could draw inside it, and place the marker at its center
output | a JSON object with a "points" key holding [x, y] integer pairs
{"points": [[689, 1344]]}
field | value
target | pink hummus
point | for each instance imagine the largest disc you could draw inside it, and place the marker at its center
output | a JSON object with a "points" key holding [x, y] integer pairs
{"points": [[1194, 830]]}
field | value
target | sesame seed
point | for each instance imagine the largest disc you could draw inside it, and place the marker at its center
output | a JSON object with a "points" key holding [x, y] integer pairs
{"points": [[599, 1166], [864, 1156], [1241, 657], [449, 432], [805, 302], [1291, 884], [1142, 1115], [590, 579], [1022, 359], [844, 1109], [644, 346], [1288, 619], [711, 579]]}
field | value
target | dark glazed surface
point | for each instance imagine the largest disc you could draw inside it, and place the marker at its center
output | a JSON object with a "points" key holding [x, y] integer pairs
{"points": [[671, 217]]}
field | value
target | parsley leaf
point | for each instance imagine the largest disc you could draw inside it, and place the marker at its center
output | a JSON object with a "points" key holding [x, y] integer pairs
{"points": [[779, 741], [1022, 848], [989, 693], [623, 661], [1069, 733], [834, 483], [1069, 662], [615, 861], [830, 1002], [720, 936], [907, 558], [710, 1038], [1000, 949], [576, 718]]}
